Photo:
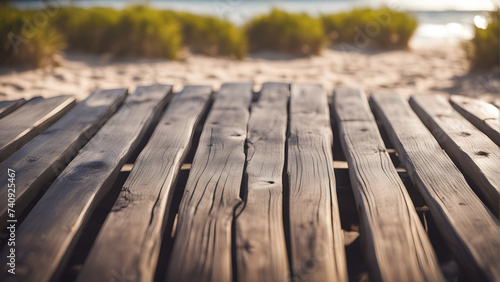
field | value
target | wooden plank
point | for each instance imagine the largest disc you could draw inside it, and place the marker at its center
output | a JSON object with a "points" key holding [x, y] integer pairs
{"points": [[7, 107], [316, 238], [75, 194], [44, 157], [30, 120], [202, 247], [465, 222], [391, 229], [260, 239], [484, 116], [476, 154], [146, 195]]}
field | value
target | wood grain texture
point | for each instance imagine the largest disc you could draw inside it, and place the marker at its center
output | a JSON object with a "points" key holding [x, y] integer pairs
{"points": [[130, 239], [316, 238], [7, 107], [30, 120], [202, 247], [261, 253], [44, 157], [392, 231], [53, 226], [468, 227], [484, 116], [476, 154]]}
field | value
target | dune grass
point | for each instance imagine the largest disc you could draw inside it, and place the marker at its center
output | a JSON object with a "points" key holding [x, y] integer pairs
{"points": [[483, 49], [210, 35], [279, 31], [135, 31], [22, 42], [143, 31], [376, 28]]}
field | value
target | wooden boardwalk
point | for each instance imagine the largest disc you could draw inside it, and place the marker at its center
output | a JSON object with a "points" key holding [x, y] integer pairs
{"points": [[284, 184]]}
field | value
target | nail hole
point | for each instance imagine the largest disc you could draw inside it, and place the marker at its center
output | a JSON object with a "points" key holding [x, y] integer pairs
{"points": [[464, 134], [482, 153], [364, 129], [270, 182]]}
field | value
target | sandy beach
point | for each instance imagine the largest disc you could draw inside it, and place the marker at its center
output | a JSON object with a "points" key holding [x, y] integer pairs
{"points": [[424, 69]]}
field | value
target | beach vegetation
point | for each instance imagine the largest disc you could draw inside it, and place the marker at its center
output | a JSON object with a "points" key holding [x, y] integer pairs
{"points": [[375, 28], [280, 31], [210, 35], [483, 49], [38, 35], [27, 38], [134, 31]]}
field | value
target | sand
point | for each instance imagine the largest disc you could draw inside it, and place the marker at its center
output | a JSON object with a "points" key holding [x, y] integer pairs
{"points": [[430, 69]]}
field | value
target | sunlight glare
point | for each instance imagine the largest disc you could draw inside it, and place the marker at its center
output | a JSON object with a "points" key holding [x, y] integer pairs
{"points": [[480, 22]]}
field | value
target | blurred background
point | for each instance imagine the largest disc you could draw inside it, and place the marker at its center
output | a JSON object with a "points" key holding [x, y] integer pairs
{"points": [[409, 46]]}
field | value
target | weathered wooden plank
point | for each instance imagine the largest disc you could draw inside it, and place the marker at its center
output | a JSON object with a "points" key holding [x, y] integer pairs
{"points": [[468, 227], [202, 247], [476, 154], [73, 197], [484, 116], [316, 238], [44, 157], [396, 245], [30, 120], [146, 195], [7, 107], [260, 239]]}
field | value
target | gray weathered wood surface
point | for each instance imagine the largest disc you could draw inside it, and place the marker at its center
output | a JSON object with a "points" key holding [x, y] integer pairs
{"points": [[471, 150], [393, 233], [260, 202], [30, 120], [261, 253], [202, 247], [316, 238], [44, 157], [62, 212], [7, 107], [471, 231], [484, 116], [146, 195]]}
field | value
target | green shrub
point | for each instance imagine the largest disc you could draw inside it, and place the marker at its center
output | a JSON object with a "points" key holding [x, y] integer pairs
{"points": [[88, 30], [483, 49], [137, 31], [377, 28], [141, 31], [279, 31], [26, 38], [210, 35]]}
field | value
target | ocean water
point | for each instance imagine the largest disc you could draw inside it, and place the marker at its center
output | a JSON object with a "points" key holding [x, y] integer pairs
{"points": [[448, 21]]}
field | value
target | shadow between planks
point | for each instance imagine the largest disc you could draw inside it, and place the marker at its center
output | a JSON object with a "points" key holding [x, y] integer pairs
{"points": [[356, 266]]}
